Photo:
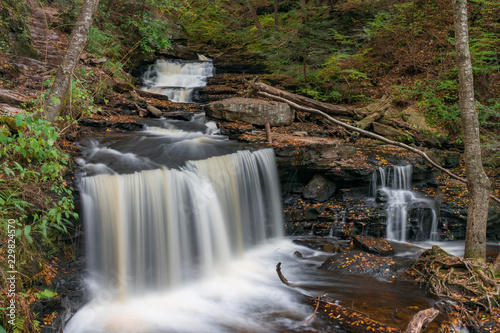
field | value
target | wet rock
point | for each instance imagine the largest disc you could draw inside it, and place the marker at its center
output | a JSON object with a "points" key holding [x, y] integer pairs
{"points": [[319, 189], [373, 245], [451, 159], [322, 244], [306, 214], [361, 263], [382, 195], [253, 111]]}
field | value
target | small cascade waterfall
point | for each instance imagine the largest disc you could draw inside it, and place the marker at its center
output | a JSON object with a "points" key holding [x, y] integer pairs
{"points": [[178, 79], [409, 216], [158, 229]]}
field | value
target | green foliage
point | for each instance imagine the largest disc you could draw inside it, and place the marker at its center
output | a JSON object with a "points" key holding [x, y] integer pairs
{"points": [[153, 32], [31, 162], [15, 35], [80, 99]]}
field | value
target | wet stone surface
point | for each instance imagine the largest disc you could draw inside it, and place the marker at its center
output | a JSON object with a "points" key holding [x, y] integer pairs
{"points": [[361, 263]]}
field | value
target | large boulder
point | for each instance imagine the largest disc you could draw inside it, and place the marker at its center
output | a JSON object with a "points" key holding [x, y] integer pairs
{"points": [[361, 263], [373, 245], [253, 111], [319, 189]]}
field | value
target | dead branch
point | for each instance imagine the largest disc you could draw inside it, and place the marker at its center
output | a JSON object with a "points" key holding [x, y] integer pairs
{"points": [[421, 319], [281, 276], [368, 134], [309, 102]]}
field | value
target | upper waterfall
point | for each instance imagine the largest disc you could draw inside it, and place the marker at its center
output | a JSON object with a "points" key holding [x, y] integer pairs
{"points": [[178, 79]]}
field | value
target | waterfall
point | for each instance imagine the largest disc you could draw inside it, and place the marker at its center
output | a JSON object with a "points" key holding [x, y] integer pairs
{"points": [[178, 79], [158, 229], [409, 216]]}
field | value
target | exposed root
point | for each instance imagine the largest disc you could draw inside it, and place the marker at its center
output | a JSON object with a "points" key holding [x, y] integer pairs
{"points": [[468, 283]]}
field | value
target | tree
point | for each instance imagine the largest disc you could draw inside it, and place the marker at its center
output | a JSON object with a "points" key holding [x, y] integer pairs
{"points": [[478, 183], [77, 40], [255, 17]]}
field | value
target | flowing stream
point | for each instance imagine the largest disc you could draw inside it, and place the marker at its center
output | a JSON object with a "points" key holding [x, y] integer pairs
{"points": [[184, 230]]}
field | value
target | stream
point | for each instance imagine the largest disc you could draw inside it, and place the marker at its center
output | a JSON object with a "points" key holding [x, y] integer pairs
{"points": [[184, 230]]}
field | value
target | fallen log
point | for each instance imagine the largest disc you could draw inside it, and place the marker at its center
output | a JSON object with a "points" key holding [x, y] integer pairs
{"points": [[368, 134], [309, 102], [147, 94]]}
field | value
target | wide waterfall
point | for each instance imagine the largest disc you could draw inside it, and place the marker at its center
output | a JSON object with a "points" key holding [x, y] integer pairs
{"points": [[158, 229], [178, 79], [409, 216]]}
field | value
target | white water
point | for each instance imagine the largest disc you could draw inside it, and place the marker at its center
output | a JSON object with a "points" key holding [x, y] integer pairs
{"points": [[395, 184], [159, 229], [248, 298], [178, 79]]}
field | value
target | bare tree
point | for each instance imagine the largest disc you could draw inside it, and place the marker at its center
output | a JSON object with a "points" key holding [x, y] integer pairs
{"points": [[276, 9], [62, 81], [255, 17], [478, 183]]}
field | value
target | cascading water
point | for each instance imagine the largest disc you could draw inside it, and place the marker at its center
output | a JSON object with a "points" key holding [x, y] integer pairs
{"points": [[178, 79], [157, 229], [409, 216]]}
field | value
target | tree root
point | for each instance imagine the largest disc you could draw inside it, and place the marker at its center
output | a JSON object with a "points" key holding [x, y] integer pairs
{"points": [[462, 281]]}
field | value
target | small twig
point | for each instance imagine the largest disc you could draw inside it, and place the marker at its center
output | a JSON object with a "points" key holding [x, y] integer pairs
{"points": [[316, 309]]}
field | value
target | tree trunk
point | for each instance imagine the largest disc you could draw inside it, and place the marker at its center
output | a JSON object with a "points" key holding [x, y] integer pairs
{"points": [[255, 17], [303, 6], [276, 8], [478, 183], [62, 81]]}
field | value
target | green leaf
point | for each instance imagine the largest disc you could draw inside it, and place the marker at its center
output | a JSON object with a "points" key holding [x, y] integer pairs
{"points": [[56, 100], [27, 231]]}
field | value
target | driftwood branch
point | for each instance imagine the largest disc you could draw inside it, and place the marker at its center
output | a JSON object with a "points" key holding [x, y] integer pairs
{"points": [[421, 319], [364, 132], [281, 276]]}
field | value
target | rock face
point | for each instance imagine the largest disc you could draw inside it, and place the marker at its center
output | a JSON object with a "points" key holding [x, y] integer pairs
{"points": [[391, 133], [253, 111]]}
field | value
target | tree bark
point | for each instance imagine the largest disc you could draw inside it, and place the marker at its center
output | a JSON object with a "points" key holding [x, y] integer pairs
{"points": [[303, 6], [62, 81], [255, 17], [478, 183], [276, 8]]}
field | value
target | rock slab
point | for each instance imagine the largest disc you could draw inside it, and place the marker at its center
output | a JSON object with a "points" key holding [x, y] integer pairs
{"points": [[373, 245], [253, 111]]}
